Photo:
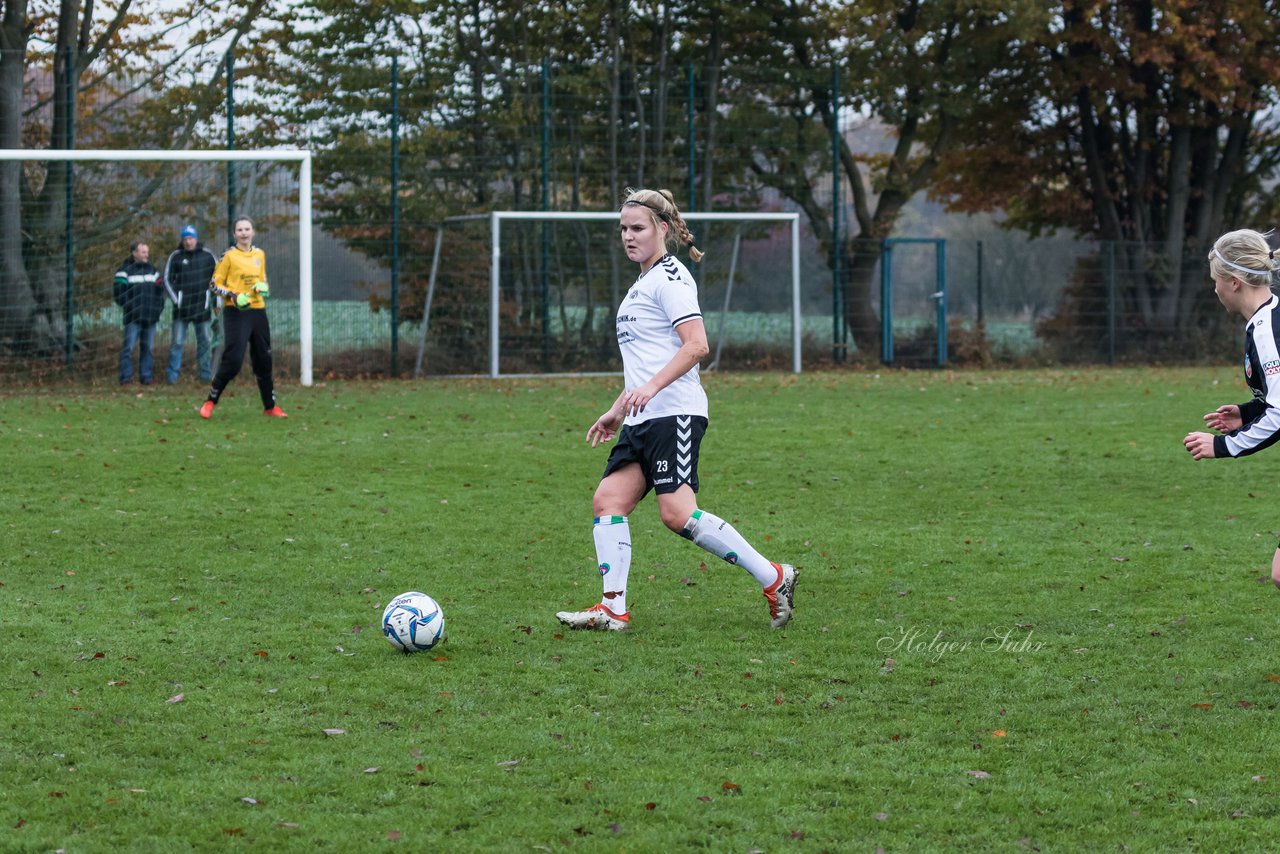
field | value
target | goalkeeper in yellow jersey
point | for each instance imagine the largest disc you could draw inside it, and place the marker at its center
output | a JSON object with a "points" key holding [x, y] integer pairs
{"points": [[240, 279]]}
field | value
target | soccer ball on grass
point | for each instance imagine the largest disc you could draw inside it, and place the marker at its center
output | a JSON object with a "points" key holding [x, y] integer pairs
{"points": [[413, 622]]}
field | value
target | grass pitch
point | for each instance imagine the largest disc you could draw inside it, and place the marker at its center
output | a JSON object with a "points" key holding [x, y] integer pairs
{"points": [[1025, 620]]}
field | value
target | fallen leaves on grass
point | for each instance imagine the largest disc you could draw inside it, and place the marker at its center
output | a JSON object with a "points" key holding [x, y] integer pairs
{"points": [[335, 731], [176, 698], [999, 734], [980, 775], [1203, 706]]}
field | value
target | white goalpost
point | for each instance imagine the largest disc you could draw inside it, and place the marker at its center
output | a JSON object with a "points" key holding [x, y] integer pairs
{"points": [[302, 157], [496, 219]]}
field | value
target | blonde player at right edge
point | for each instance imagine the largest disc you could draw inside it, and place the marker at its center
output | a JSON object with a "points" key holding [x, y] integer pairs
{"points": [[1241, 265], [662, 415]]}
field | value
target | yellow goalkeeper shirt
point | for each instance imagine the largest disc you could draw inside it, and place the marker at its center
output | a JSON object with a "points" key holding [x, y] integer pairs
{"points": [[238, 272]]}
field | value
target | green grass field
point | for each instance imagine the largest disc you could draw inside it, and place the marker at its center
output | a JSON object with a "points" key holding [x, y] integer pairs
{"points": [[1026, 620]]}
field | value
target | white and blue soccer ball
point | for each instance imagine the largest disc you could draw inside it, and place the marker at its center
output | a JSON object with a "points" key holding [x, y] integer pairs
{"points": [[413, 622]]}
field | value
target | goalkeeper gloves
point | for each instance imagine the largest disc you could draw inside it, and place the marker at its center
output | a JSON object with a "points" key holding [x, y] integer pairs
{"points": [[263, 289], [242, 300]]}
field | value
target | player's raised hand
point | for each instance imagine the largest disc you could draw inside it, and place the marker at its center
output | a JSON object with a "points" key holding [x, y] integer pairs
{"points": [[1224, 419]]}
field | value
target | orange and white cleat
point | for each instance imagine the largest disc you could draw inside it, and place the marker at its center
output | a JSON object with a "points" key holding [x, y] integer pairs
{"points": [[275, 412], [596, 617], [781, 595]]}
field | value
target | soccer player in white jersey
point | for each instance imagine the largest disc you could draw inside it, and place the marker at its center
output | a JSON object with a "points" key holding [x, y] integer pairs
{"points": [[1241, 264], [662, 415]]}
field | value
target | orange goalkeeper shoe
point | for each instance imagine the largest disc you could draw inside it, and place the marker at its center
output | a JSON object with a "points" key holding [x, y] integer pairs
{"points": [[206, 411], [275, 412]]}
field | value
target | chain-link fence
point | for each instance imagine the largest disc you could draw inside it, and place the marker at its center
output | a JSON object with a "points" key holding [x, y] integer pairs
{"points": [[402, 188]]}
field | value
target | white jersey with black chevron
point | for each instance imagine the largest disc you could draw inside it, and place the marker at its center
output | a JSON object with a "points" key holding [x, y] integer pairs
{"points": [[1262, 372], [660, 300]]}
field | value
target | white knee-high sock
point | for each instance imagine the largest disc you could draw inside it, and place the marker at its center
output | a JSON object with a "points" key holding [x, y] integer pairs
{"points": [[613, 554], [721, 539]]}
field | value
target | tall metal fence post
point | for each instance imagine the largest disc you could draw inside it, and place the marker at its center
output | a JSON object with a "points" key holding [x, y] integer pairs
{"points": [[1111, 302], [940, 274], [71, 73], [837, 295], [546, 206], [981, 316], [886, 302], [231, 146], [395, 216], [693, 162]]}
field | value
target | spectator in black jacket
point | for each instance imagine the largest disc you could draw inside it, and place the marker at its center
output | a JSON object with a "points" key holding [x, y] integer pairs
{"points": [[187, 275], [137, 290]]}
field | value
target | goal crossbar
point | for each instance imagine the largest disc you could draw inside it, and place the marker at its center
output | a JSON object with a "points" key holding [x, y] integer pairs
{"points": [[302, 157], [495, 269]]}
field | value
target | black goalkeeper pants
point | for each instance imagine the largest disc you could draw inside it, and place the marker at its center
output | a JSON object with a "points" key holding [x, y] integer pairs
{"points": [[241, 328]]}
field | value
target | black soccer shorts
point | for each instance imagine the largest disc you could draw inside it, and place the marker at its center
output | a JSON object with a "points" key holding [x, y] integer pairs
{"points": [[666, 449]]}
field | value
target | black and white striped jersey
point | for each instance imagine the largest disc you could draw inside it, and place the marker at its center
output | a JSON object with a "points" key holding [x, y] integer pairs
{"points": [[1261, 415], [660, 300]]}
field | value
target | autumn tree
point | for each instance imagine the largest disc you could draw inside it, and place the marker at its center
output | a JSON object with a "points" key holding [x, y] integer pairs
{"points": [[1147, 123], [121, 74], [917, 69]]}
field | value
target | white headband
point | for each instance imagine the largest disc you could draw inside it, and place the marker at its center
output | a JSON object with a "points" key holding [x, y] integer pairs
{"points": [[1238, 267]]}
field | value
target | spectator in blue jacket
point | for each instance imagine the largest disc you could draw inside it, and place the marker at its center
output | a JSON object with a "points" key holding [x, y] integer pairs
{"points": [[187, 275], [137, 290]]}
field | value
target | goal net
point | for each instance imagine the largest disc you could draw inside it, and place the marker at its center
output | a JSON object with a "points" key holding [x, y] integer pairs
{"points": [[545, 301], [62, 241]]}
